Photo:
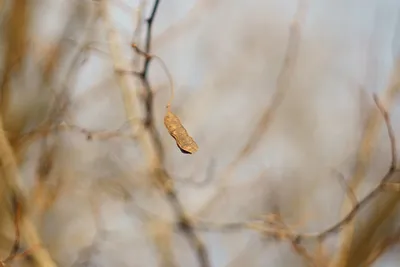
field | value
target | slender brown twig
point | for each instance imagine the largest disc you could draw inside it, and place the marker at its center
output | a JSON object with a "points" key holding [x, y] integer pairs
{"points": [[184, 224], [149, 22], [149, 99]]}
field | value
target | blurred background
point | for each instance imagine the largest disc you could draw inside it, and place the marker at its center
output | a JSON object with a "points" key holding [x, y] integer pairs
{"points": [[277, 94]]}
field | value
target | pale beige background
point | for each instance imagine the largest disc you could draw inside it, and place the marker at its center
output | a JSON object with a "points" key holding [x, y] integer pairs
{"points": [[225, 56]]}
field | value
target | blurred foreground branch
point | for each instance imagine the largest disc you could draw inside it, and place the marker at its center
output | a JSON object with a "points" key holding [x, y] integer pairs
{"points": [[12, 181], [363, 159]]}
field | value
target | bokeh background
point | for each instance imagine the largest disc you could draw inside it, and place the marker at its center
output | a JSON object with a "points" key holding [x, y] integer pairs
{"points": [[317, 63]]}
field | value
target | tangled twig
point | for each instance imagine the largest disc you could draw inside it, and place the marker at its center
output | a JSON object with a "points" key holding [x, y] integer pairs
{"points": [[297, 238]]}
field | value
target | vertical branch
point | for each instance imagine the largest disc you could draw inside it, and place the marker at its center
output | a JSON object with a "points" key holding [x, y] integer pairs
{"points": [[149, 99], [129, 93], [150, 138], [149, 22], [158, 231], [161, 232]]}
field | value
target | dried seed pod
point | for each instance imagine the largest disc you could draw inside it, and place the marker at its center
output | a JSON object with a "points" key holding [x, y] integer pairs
{"points": [[175, 128]]}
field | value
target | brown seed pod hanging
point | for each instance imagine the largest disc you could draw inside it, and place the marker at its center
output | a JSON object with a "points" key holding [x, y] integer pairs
{"points": [[175, 128]]}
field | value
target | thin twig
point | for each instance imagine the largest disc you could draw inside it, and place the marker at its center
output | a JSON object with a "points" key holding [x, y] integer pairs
{"points": [[149, 56], [302, 251], [149, 22], [89, 134], [184, 224], [128, 92], [382, 247], [378, 189]]}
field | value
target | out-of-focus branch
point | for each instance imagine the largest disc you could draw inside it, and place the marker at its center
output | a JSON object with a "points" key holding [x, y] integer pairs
{"points": [[302, 251], [297, 247], [283, 84], [382, 247], [349, 192], [129, 93], [161, 234], [11, 178], [90, 135], [284, 80], [49, 61], [16, 39]]}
